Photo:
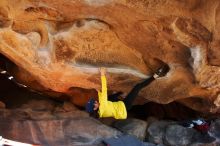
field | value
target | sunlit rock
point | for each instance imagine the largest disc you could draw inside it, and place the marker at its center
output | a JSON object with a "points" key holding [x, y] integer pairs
{"points": [[58, 46]]}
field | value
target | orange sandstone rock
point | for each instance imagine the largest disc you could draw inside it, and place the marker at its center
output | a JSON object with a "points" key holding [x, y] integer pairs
{"points": [[59, 45]]}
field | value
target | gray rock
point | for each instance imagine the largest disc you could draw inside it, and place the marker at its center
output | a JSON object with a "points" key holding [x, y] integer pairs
{"points": [[133, 127], [169, 133], [88, 131], [156, 131], [215, 128], [151, 120], [203, 139], [215, 143], [177, 135], [150, 144]]}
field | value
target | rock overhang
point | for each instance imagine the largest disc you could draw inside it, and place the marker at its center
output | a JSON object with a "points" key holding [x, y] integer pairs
{"points": [[58, 46]]}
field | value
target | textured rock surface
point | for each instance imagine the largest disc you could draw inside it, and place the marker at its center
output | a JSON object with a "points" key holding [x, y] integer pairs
{"points": [[51, 124], [172, 134], [215, 129], [35, 118], [58, 45], [132, 127], [178, 135], [156, 131]]}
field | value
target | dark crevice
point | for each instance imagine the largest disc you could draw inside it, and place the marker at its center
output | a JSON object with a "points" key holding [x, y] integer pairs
{"points": [[171, 111], [11, 92], [15, 96]]}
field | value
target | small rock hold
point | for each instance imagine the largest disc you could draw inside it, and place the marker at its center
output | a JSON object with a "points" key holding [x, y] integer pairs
{"points": [[2, 104], [67, 106]]}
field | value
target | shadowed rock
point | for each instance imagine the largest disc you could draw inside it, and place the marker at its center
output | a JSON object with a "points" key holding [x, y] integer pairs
{"points": [[133, 127]]}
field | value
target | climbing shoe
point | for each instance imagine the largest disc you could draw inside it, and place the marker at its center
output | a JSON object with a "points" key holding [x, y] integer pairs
{"points": [[162, 71]]}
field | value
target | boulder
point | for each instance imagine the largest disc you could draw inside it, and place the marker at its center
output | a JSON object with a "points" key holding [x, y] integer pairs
{"points": [[215, 131], [178, 135], [133, 127], [206, 139], [215, 128], [172, 134], [126, 140], [63, 124], [156, 131], [66, 132]]}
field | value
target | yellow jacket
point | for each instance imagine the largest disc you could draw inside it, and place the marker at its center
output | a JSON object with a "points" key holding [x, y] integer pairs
{"points": [[108, 108]]}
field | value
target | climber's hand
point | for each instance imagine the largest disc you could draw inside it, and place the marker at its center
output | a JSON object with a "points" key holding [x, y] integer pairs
{"points": [[103, 71]]}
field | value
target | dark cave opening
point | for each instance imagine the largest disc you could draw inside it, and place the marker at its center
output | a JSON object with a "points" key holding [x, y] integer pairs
{"points": [[172, 111]]}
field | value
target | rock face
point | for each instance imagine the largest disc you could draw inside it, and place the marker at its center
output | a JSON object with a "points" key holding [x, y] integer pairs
{"points": [[172, 134], [177, 135], [33, 118], [133, 127], [53, 124], [57, 47]]}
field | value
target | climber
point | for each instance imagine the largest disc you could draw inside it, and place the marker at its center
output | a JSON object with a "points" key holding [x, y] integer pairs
{"points": [[118, 109]]}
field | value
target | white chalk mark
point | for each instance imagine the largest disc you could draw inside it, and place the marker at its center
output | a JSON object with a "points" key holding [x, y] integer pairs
{"points": [[10, 78], [3, 72], [119, 70], [98, 2], [197, 57], [21, 85]]}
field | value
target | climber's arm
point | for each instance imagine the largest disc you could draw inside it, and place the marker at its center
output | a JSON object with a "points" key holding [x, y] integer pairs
{"points": [[103, 96]]}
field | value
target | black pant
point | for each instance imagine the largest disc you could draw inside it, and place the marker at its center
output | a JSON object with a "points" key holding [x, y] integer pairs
{"points": [[132, 94]]}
